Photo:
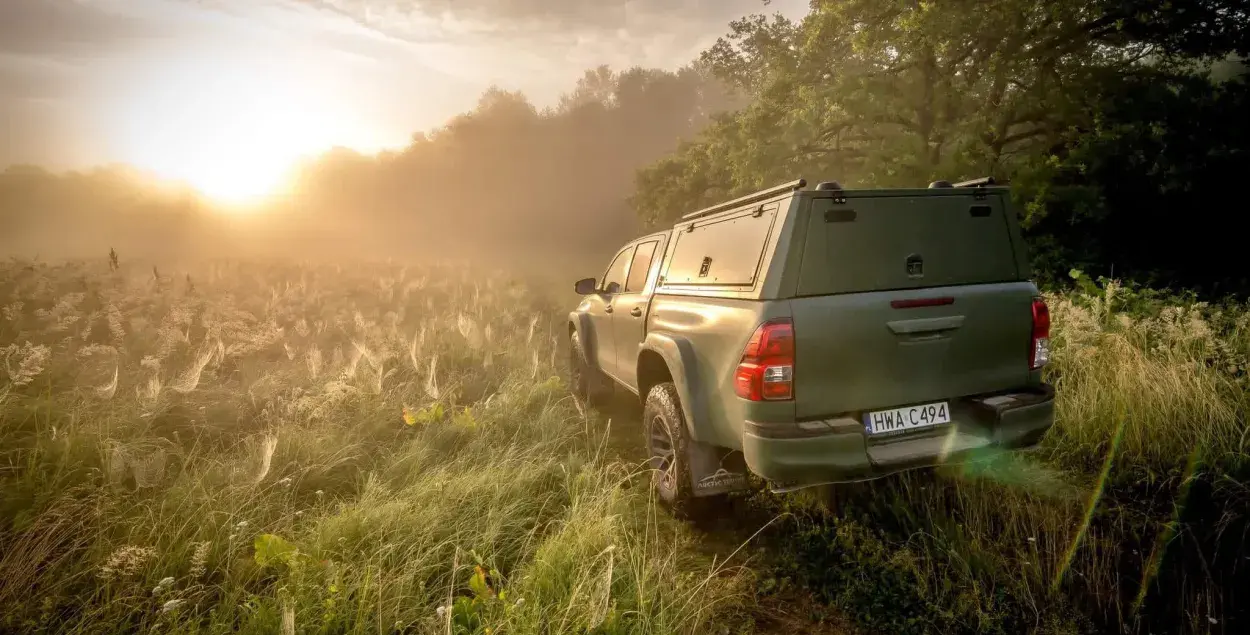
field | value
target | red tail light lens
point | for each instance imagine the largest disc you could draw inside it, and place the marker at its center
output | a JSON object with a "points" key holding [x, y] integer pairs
{"points": [[1039, 344], [766, 372]]}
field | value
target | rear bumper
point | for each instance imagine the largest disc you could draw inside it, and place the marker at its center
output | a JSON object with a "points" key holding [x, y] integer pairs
{"points": [[837, 450]]}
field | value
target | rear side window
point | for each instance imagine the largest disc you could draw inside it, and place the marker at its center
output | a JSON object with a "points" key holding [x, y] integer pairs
{"points": [[722, 252], [641, 267], [616, 273], [885, 243]]}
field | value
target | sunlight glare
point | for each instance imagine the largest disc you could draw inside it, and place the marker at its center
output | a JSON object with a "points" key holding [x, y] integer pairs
{"points": [[232, 128]]}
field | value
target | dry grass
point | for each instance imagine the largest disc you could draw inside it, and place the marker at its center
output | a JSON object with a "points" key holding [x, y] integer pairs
{"points": [[333, 449]]}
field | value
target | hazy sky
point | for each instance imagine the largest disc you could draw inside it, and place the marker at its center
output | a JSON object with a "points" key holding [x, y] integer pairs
{"points": [[177, 86]]}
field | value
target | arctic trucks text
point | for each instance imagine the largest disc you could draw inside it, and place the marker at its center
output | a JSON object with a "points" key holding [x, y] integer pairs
{"points": [[821, 336]]}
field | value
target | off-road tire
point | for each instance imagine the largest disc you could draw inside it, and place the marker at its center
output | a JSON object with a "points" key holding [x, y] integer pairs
{"points": [[670, 469], [587, 382]]}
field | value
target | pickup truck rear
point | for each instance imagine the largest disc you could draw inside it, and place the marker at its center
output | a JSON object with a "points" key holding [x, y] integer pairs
{"points": [[823, 335]]}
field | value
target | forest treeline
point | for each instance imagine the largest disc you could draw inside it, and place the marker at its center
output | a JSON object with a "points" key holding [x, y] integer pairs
{"points": [[1121, 125], [506, 182]]}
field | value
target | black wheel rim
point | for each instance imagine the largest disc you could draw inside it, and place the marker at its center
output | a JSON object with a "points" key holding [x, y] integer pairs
{"points": [[663, 459]]}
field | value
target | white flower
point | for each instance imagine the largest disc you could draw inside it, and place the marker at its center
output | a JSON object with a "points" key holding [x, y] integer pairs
{"points": [[30, 361], [520, 602], [1213, 620], [299, 513], [320, 493], [171, 605], [285, 481], [442, 612], [242, 524], [1032, 539]]}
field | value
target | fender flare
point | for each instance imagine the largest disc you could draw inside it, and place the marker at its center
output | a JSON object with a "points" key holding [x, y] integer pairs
{"points": [[581, 324], [678, 354]]}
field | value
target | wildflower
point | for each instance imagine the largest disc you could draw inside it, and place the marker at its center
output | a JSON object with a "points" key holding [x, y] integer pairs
{"points": [[268, 445], [520, 602], [162, 586], [1213, 620], [320, 493], [409, 417], [285, 481], [1032, 539], [242, 524], [441, 611], [13, 311], [31, 360], [199, 559], [299, 513], [126, 561], [172, 605]]}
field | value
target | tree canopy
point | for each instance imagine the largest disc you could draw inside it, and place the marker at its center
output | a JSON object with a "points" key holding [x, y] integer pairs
{"points": [[1052, 95]]}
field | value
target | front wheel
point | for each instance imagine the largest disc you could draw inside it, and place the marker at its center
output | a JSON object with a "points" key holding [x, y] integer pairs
{"points": [[587, 382], [667, 445]]}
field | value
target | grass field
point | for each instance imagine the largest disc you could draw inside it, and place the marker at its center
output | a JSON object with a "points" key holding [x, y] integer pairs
{"points": [[375, 448], [277, 450]]}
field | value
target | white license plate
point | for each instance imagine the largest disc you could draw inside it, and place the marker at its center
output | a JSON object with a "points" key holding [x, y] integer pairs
{"points": [[908, 418]]}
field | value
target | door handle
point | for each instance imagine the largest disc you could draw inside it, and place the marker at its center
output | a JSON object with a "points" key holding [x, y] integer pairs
{"points": [[637, 312], [929, 325], [607, 308]]}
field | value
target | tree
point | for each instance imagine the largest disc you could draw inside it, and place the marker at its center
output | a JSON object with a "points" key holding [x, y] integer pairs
{"points": [[903, 92]]}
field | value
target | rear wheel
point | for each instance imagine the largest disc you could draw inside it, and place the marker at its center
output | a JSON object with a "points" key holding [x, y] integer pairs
{"points": [[587, 382], [667, 439]]}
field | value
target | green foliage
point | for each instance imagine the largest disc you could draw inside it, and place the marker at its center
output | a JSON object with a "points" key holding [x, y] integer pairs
{"points": [[272, 551], [433, 413], [1103, 116]]}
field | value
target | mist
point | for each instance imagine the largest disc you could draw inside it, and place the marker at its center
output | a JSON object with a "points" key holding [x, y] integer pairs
{"points": [[505, 184]]}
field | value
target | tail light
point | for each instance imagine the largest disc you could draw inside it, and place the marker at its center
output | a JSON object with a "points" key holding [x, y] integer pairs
{"points": [[1039, 344], [766, 372]]}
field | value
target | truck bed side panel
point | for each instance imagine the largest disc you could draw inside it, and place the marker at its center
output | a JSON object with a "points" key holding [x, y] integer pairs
{"points": [[718, 329]]}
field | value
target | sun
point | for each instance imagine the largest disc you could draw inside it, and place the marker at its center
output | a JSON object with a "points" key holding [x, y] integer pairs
{"points": [[232, 128]]}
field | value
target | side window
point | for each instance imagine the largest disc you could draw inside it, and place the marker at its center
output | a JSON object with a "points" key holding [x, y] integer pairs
{"points": [[641, 267], [615, 277]]}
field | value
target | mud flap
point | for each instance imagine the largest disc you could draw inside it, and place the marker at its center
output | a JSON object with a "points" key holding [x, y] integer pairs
{"points": [[715, 470]]}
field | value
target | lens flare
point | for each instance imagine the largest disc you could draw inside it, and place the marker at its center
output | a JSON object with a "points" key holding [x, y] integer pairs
{"points": [[1169, 531], [1094, 498]]}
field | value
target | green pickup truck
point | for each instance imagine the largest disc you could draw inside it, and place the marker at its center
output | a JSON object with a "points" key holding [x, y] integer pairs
{"points": [[824, 335]]}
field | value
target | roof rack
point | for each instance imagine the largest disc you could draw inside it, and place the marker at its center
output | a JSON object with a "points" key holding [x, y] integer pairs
{"points": [[796, 184], [981, 182]]}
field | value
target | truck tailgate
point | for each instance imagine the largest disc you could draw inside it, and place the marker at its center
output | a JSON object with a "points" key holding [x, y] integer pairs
{"points": [[862, 351]]}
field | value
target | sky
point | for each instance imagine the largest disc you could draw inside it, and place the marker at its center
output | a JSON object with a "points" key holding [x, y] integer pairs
{"points": [[180, 87]]}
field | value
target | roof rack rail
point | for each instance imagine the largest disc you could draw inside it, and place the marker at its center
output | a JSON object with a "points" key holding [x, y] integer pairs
{"points": [[796, 184], [981, 182]]}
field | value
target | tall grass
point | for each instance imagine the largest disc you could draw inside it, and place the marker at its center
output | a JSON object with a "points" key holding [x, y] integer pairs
{"points": [[267, 448], [291, 449]]}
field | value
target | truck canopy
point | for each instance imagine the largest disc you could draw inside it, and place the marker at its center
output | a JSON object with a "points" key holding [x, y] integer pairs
{"points": [[883, 241]]}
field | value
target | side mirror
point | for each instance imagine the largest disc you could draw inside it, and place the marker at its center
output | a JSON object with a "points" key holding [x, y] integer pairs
{"points": [[585, 286]]}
